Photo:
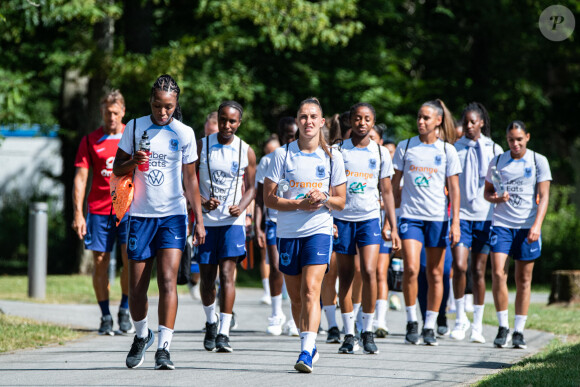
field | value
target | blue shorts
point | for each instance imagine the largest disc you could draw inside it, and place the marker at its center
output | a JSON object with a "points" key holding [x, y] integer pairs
{"points": [[194, 268], [295, 253], [270, 233], [386, 247], [429, 233], [147, 235], [102, 232], [223, 242], [475, 235], [514, 242], [353, 234]]}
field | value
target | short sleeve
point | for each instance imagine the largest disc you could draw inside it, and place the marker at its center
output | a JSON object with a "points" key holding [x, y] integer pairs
{"points": [[338, 173], [398, 160], [453, 164], [82, 157], [190, 147], [387, 164], [261, 171], [543, 169], [498, 150], [276, 167], [126, 142]]}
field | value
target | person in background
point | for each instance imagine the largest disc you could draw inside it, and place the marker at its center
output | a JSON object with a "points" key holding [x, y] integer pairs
{"points": [[211, 124], [97, 151]]}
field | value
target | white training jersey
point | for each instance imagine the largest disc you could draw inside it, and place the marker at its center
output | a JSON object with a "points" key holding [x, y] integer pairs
{"points": [[519, 178], [362, 169], [425, 168], [227, 164], [478, 209], [269, 213], [305, 171], [159, 191]]}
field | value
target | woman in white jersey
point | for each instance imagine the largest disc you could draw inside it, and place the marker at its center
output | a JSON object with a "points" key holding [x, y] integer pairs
{"points": [[305, 179], [427, 164], [475, 150], [359, 225], [225, 164], [286, 133], [158, 214], [524, 176]]}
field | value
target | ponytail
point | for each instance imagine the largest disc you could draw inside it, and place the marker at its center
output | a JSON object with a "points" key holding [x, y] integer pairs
{"points": [[447, 128]]}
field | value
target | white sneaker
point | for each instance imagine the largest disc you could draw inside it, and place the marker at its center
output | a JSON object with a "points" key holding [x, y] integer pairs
{"points": [[290, 328], [458, 332], [194, 290], [275, 324], [477, 337], [266, 299], [469, 303]]}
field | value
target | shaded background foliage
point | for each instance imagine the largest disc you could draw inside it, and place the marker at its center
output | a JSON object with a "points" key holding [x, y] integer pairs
{"points": [[58, 58]]}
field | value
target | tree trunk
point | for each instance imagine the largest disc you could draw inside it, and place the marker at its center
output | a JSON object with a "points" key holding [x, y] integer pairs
{"points": [[565, 287]]}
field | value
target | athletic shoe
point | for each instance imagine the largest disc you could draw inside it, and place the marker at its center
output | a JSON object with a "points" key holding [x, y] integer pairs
{"points": [[321, 330], [304, 362], [222, 344], [194, 290], [394, 302], [368, 341], [412, 335], [290, 328], [459, 330], [518, 340], [266, 299], [210, 336], [275, 324], [124, 320], [442, 330], [349, 345], [315, 355], [382, 332], [429, 337], [163, 360], [476, 337], [503, 337], [333, 336], [106, 327], [233, 322], [136, 354]]}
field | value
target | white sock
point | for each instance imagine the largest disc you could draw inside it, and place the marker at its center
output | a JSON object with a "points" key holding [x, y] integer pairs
{"points": [[210, 316], [520, 323], [381, 307], [411, 313], [225, 320], [460, 309], [348, 323], [430, 319], [478, 318], [502, 318], [141, 328], [357, 316], [367, 322], [266, 285], [330, 313], [277, 305], [308, 341], [164, 338]]}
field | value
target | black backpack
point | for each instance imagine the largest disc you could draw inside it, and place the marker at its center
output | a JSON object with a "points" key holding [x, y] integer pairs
{"points": [[184, 266]]}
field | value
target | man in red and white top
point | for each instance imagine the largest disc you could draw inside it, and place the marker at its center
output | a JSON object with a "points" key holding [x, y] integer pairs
{"points": [[97, 151]]}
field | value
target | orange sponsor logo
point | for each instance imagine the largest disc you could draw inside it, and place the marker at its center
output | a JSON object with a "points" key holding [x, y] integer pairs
{"points": [[305, 184], [364, 175], [414, 168]]}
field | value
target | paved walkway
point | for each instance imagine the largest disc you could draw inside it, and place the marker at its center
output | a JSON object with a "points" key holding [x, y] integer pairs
{"points": [[257, 360]]}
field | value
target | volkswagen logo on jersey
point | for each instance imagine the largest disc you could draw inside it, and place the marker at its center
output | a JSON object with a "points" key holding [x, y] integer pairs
{"points": [[218, 176], [173, 145], [234, 169], [372, 163], [528, 172], [155, 177], [438, 160], [320, 172], [285, 259]]}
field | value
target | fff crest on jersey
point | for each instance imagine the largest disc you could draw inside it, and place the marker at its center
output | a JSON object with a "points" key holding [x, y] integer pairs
{"points": [[528, 172], [320, 171], [235, 166], [372, 163], [438, 160], [173, 145]]}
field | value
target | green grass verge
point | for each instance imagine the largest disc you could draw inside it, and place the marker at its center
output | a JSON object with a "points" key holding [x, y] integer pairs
{"points": [[20, 333]]}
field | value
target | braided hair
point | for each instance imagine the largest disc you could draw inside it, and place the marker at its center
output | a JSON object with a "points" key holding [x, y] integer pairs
{"points": [[166, 83], [478, 108]]}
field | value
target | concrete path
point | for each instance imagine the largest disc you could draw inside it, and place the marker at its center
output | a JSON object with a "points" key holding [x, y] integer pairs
{"points": [[258, 359]]}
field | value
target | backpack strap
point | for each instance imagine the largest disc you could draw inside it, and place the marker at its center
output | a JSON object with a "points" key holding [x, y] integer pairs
{"points": [[536, 194], [405, 154]]}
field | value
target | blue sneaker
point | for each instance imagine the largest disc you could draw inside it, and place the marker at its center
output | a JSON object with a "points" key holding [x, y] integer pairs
{"points": [[315, 355], [304, 363]]}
